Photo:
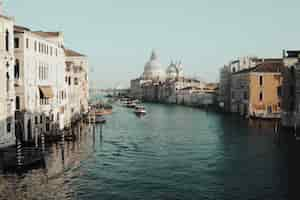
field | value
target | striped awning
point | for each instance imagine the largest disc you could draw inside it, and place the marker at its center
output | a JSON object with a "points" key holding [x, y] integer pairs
{"points": [[46, 91]]}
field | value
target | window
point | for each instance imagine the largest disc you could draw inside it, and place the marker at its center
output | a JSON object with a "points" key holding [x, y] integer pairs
{"points": [[27, 43], [292, 71], [233, 70], [292, 91], [7, 40], [69, 80], [17, 69], [47, 127], [8, 128], [17, 103], [260, 96], [245, 95], [279, 91], [51, 51], [36, 120], [7, 82], [35, 46], [75, 81], [17, 43], [66, 79], [41, 119], [260, 80]]}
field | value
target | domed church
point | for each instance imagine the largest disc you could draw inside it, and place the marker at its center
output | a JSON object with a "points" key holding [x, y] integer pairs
{"points": [[174, 71], [153, 69]]}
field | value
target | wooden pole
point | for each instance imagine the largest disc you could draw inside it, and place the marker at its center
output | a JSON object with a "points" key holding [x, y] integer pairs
{"points": [[43, 141], [62, 144], [19, 154], [36, 137]]}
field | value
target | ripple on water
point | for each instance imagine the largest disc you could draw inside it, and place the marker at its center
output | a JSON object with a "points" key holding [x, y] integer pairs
{"points": [[172, 153]]}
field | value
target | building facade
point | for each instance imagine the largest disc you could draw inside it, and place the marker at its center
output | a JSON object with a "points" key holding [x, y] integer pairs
{"points": [[76, 80], [39, 74], [291, 89], [7, 92], [242, 63], [256, 92]]}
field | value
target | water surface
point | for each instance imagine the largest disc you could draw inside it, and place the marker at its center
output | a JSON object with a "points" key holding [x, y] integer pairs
{"points": [[174, 152]]}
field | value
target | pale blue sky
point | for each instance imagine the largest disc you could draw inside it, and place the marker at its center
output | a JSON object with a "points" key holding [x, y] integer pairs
{"points": [[118, 35]]}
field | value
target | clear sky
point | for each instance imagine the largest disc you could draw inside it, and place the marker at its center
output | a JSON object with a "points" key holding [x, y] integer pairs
{"points": [[118, 35]]}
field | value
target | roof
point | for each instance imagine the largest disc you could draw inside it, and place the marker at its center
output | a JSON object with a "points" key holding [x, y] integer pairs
{"points": [[47, 34], [293, 53], [265, 67], [269, 67], [72, 53], [6, 17], [20, 28]]}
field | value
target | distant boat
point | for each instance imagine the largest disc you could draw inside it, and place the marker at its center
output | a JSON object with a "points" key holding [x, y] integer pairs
{"points": [[100, 119], [140, 110], [102, 109], [131, 105]]}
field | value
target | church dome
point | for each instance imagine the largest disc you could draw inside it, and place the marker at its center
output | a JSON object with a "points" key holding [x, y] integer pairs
{"points": [[153, 68], [172, 71]]}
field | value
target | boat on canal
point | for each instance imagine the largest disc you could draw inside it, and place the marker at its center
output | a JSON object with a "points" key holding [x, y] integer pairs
{"points": [[100, 119], [140, 110], [102, 109]]}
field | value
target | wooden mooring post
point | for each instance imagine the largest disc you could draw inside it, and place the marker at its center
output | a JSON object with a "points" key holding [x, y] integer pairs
{"points": [[36, 137], [19, 155], [101, 129], [43, 141], [62, 144]]}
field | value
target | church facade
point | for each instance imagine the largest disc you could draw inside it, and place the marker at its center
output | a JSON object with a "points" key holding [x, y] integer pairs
{"points": [[167, 85]]}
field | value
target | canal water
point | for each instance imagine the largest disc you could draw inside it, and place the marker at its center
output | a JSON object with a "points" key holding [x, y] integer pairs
{"points": [[173, 152]]}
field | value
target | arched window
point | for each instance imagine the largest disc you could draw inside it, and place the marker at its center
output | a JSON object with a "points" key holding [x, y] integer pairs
{"points": [[17, 69], [7, 40], [17, 103], [7, 77]]}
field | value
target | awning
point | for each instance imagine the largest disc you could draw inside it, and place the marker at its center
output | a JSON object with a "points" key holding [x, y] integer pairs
{"points": [[46, 91]]}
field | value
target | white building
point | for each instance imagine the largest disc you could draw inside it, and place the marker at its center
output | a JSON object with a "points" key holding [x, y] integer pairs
{"points": [[153, 69], [40, 87], [76, 80], [7, 93]]}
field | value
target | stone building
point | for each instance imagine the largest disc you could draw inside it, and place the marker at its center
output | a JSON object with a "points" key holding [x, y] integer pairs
{"points": [[256, 92], [159, 85], [7, 92], [76, 80], [39, 74], [224, 97], [153, 69], [291, 89]]}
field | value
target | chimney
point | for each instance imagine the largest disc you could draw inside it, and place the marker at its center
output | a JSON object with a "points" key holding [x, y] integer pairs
{"points": [[283, 53]]}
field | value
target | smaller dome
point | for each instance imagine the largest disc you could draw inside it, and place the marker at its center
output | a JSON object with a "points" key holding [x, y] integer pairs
{"points": [[172, 71]]}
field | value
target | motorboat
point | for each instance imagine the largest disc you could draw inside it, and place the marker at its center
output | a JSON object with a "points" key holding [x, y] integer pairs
{"points": [[129, 104], [140, 110], [100, 119]]}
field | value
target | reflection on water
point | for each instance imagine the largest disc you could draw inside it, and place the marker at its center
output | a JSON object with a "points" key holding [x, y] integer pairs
{"points": [[173, 152]]}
